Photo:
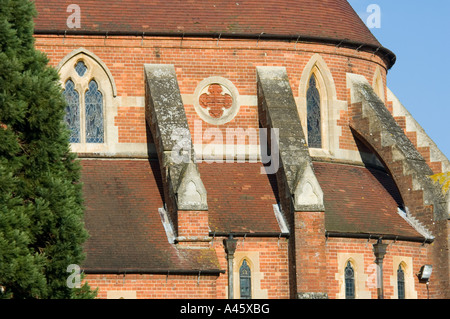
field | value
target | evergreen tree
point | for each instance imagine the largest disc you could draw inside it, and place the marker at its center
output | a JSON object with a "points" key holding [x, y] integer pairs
{"points": [[41, 208]]}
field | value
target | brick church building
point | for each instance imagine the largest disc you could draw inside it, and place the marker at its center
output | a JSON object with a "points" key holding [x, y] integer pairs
{"points": [[245, 149]]}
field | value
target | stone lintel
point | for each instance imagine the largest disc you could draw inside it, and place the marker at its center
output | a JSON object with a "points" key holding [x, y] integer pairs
{"points": [[312, 295]]}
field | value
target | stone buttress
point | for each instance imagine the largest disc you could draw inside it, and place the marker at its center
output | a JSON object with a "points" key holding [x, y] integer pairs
{"points": [[300, 193], [184, 192]]}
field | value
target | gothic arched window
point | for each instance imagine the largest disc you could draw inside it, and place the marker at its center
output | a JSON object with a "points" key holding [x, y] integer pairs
{"points": [[245, 280], [401, 282], [349, 281], [313, 112], [85, 112]]}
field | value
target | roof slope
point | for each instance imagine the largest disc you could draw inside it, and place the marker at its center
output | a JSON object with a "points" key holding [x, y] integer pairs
{"points": [[361, 200], [240, 198], [328, 19], [122, 198]]}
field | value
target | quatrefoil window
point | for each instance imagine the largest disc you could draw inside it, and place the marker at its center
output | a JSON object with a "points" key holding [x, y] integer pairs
{"points": [[81, 68], [216, 100]]}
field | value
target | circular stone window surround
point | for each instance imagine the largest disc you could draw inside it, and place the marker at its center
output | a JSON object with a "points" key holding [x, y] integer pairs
{"points": [[228, 88]]}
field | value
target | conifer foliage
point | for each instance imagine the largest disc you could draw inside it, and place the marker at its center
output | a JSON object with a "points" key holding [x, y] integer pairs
{"points": [[41, 208]]}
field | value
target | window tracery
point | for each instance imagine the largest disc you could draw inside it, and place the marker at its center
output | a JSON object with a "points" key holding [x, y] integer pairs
{"points": [[81, 68], [85, 106]]}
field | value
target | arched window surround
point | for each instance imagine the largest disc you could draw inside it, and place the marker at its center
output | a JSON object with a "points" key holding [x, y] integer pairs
{"points": [[245, 264], [363, 275], [329, 105], [350, 281], [378, 84], [96, 71], [253, 261], [401, 293], [407, 266]]}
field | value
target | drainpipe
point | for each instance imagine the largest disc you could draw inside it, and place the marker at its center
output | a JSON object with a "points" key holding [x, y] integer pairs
{"points": [[230, 247], [379, 249]]}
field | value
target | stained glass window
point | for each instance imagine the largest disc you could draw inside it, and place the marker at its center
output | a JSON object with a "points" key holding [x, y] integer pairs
{"points": [[81, 68], [245, 281], [94, 114], [401, 282], [72, 117], [349, 281], [313, 115]]}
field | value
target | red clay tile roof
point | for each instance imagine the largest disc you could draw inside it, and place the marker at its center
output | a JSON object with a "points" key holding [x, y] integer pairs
{"points": [[361, 200], [331, 20], [240, 198], [122, 198]]}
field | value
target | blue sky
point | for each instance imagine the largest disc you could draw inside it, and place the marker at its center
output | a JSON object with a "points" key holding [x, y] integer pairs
{"points": [[418, 32]]}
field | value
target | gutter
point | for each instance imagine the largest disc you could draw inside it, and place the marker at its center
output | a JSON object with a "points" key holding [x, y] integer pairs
{"points": [[416, 239], [149, 271], [242, 234], [387, 55], [328, 234]]}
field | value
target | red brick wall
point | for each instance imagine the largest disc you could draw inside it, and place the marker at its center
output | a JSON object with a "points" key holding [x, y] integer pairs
{"points": [[156, 286], [197, 59], [273, 264], [420, 256], [273, 261], [310, 252], [131, 124], [193, 224]]}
